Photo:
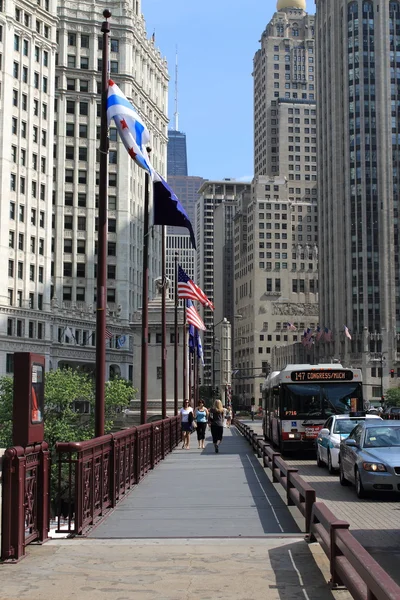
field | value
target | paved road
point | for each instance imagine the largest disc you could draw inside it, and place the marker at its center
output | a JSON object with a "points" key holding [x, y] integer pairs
{"points": [[197, 493], [374, 522]]}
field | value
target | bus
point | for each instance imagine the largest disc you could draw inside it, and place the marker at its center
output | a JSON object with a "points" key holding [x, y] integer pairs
{"points": [[299, 399]]}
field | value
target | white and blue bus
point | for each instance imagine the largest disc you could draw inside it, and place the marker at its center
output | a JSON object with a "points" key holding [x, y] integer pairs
{"points": [[299, 399]]}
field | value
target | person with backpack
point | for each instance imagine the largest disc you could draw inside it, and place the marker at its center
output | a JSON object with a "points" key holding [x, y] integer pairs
{"points": [[216, 420]]}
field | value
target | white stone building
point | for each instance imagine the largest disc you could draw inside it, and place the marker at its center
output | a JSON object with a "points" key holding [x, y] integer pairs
{"points": [[49, 174]]}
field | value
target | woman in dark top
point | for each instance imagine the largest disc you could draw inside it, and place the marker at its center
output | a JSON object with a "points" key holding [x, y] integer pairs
{"points": [[217, 423]]}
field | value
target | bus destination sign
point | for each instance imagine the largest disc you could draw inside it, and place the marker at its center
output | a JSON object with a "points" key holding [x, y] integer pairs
{"points": [[322, 375]]}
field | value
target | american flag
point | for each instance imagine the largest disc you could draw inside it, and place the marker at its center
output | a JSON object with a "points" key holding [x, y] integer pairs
{"points": [[193, 317], [109, 335], [291, 327], [189, 290], [319, 334], [328, 335]]}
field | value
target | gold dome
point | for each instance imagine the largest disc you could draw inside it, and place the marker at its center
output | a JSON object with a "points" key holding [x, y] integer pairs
{"points": [[282, 4]]}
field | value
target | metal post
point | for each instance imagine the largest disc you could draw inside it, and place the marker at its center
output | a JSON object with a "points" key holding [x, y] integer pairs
{"points": [[176, 393], [145, 308], [102, 240], [184, 354], [213, 366], [164, 328], [381, 377]]}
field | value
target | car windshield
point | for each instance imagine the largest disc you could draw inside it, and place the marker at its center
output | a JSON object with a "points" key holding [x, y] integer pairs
{"points": [[345, 425], [313, 400], [382, 437]]}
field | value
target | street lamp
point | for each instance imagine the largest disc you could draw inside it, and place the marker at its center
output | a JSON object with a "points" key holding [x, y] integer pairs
{"points": [[379, 358], [214, 350]]}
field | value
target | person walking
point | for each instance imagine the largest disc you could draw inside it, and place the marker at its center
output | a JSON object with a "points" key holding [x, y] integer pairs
{"points": [[201, 418], [253, 410], [186, 413], [228, 417], [216, 419]]}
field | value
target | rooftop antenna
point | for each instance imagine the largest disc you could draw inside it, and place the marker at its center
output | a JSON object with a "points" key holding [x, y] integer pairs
{"points": [[176, 114]]}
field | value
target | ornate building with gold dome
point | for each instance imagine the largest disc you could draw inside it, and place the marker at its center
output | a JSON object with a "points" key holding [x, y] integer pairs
{"points": [[276, 238]]}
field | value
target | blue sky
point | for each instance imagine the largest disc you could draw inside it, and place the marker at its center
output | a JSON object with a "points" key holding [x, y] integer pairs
{"points": [[216, 42]]}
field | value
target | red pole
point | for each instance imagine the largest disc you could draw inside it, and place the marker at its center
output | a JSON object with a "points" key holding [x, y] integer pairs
{"points": [[176, 392], [184, 396], [145, 307], [190, 377], [164, 329], [102, 240]]}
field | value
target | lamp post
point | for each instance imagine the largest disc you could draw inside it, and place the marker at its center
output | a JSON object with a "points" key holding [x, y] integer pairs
{"points": [[379, 357], [213, 370]]}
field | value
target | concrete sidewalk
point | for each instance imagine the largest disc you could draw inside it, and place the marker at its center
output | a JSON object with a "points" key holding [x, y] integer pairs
{"points": [[197, 493], [235, 569]]}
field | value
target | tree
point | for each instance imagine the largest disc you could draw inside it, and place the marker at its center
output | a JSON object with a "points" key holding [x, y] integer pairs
{"points": [[392, 397], [69, 406]]}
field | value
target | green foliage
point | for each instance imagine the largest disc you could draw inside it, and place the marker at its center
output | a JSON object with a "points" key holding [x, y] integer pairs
{"points": [[6, 407], [68, 395], [392, 397]]}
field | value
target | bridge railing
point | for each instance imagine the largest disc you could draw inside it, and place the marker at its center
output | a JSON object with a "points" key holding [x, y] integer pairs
{"points": [[93, 476], [351, 565], [25, 494]]}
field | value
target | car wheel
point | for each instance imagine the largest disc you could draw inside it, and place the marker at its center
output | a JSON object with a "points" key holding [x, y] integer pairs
{"points": [[320, 463], [359, 486], [330, 468], [342, 478]]}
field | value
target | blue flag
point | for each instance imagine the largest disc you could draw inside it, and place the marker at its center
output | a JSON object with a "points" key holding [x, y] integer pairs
{"points": [[191, 339], [167, 208], [199, 347]]}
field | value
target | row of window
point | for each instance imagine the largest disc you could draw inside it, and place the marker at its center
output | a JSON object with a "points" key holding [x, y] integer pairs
{"points": [[21, 239], [23, 132], [19, 299], [80, 294], [16, 327], [277, 266], [22, 187], [25, 77], [26, 18], [85, 40], [24, 46], [21, 214], [20, 271]]}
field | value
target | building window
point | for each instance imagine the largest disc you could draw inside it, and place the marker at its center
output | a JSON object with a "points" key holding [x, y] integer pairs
{"points": [[10, 363], [67, 293]]}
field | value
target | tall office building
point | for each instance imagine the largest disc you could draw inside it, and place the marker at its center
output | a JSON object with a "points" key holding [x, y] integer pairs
{"points": [[276, 240], [212, 194], [177, 153], [359, 185], [50, 176], [178, 241]]}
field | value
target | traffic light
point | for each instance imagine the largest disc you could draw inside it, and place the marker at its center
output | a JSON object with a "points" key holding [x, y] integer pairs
{"points": [[392, 373]]}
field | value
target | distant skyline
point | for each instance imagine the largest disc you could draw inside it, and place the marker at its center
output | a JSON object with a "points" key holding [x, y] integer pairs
{"points": [[216, 44]]}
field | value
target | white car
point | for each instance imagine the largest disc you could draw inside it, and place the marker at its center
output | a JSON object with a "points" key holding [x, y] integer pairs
{"points": [[336, 429]]}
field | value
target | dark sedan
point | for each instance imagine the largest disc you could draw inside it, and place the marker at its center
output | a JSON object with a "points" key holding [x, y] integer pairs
{"points": [[370, 457]]}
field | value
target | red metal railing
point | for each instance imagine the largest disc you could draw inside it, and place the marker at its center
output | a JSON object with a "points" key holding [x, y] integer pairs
{"points": [[25, 493], [93, 476], [351, 565]]}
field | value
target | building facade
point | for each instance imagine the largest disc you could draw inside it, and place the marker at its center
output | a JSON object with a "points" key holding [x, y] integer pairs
{"points": [[359, 147], [276, 237], [177, 153], [48, 228], [212, 194]]}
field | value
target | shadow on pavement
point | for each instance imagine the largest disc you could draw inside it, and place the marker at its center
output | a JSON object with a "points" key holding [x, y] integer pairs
{"points": [[294, 567]]}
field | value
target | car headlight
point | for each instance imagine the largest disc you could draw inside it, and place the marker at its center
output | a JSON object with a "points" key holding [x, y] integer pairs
{"points": [[374, 467]]}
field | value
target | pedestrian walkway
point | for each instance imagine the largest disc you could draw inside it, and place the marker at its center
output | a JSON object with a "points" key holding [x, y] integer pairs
{"points": [[197, 493], [201, 526]]}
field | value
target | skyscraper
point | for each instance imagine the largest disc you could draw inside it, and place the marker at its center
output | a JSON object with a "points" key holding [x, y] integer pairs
{"points": [[359, 183], [49, 170], [276, 238], [177, 153]]}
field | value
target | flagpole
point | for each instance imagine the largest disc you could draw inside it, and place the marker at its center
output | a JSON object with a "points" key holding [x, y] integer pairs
{"points": [[145, 308], [190, 377], [164, 328], [184, 353], [197, 379], [176, 393], [102, 240], [195, 362]]}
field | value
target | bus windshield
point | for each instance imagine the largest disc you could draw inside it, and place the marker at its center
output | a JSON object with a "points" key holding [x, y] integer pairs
{"points": [[319, 400]]}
